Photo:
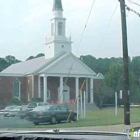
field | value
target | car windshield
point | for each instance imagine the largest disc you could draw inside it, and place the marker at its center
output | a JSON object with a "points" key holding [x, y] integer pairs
{"points": [[70, 64], [41, 108], [10, 107]]}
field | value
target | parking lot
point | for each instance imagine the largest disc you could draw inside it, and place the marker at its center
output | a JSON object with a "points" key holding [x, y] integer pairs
{"points": [[10, 122]]}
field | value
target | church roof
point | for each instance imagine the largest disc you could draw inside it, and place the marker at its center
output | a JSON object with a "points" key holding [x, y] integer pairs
{"points": [[60, 64], [26, 67], [57, 5], [29, 66]]}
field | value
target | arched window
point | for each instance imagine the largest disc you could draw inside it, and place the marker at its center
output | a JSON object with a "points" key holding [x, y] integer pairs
{"points": [[16, 88], [52, 29], [60, 28]]}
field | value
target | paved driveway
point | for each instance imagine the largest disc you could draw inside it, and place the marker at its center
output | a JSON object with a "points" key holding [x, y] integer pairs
{"points": [[8, 122]]}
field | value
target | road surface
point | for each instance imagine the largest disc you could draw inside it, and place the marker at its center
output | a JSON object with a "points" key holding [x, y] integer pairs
{"points": [[11, 122]]}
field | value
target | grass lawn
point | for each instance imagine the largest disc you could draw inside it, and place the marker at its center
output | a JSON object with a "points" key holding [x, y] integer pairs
{"points": [[97, 118]]}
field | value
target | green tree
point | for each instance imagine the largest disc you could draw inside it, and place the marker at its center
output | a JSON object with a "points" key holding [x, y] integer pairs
{"points": [[100, 65], [29, 58], [135, 68], [113, 78], [3, 64], [11, 59], [104, 93], [37, 56]]}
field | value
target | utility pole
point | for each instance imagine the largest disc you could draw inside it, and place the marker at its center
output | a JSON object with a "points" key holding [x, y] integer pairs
{"points": [[125, 65]]}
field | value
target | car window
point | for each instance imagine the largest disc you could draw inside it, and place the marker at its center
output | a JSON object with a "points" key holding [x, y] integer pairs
{"points": [[10, 107], [45, 103], [62, 108], [40, 104], [41, 108], [32, 105], [55, 108]]}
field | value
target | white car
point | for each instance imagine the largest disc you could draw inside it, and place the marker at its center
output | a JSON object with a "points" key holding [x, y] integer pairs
{"points": [[15, 111], [6, 111], [30, 107]]}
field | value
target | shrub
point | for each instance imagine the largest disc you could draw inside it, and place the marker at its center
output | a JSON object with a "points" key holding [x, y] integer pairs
{"points": [[14, 101]]}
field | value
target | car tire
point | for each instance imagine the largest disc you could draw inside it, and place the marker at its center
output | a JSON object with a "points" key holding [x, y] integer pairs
{"points": [[74, 117], [53, 120], [36, 123]]}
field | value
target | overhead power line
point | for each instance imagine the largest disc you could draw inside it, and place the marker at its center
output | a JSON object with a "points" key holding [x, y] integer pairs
{"points": [[133, 2], [129, 9], [108, 25], [85, 25]]}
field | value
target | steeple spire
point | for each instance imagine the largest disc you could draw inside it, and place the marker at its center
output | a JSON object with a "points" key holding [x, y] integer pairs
{"points": [[58, 42], [57, 5]]}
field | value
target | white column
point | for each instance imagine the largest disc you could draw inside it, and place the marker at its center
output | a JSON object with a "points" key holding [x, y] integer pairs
{"points": [[81, 100], [87, 90], [84, 104], [33, 86], [61, 90], [77, 93], [39, 87], [20, 91], [45, 89], [91, 91]]}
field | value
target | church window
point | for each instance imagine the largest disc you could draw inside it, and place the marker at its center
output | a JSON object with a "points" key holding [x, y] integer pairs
{"points": [[60, 28], [16, 88], [52, 29], [48, 94], [28, 96]]}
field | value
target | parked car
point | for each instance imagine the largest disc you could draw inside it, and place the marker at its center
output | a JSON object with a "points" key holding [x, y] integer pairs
{"points": [[23, 112], [50, 113], [15, 111], [6, 111]]}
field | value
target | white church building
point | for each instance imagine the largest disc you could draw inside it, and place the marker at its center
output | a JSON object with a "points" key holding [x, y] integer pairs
{"points": [[55, 77]]}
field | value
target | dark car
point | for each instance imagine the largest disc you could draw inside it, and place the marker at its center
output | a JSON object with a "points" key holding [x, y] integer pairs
{"points": [[23, 112], [50, 113]]}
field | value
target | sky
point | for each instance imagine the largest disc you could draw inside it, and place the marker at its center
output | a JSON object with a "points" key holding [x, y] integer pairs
{"points": [[25, 24]]}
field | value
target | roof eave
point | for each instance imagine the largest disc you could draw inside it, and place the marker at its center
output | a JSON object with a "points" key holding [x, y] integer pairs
{"points": [[12, 75]]}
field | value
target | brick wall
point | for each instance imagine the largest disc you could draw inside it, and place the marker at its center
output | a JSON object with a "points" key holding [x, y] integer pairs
{"points": [[6, 88]]}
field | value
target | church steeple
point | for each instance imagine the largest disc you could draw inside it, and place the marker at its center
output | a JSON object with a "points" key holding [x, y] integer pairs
{"points": [[57, 5], [58, 42]]}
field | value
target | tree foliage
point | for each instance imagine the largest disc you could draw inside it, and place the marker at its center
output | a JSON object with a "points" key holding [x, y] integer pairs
{"points": [[11, 59], [113, 78], [7, 61], [112, 69], [33, 57]]}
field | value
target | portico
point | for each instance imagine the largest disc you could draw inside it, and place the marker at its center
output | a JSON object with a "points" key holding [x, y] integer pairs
{"points": [[63, 93]]}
